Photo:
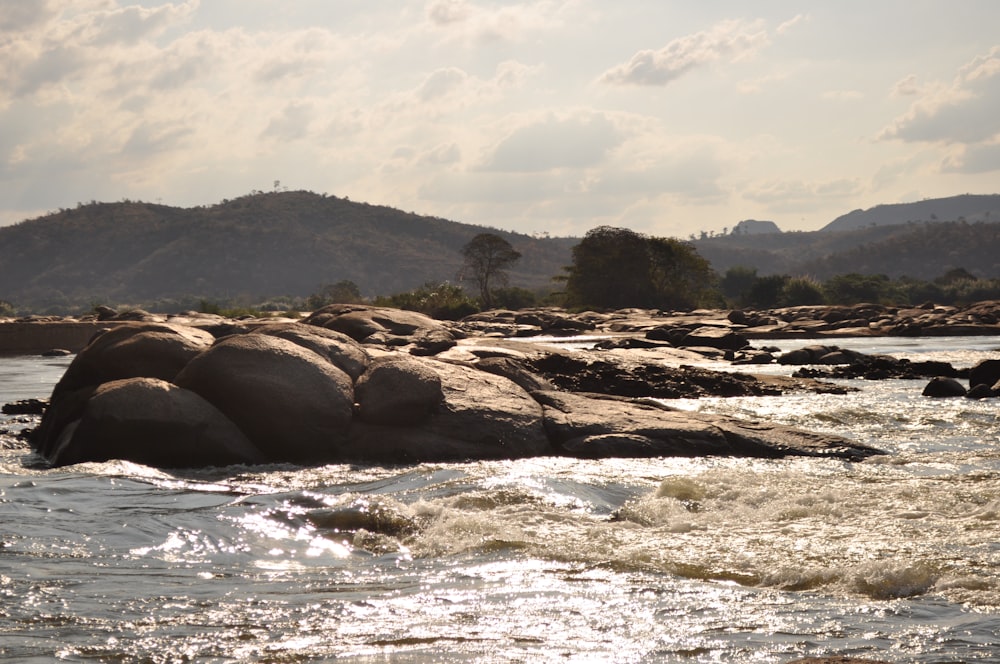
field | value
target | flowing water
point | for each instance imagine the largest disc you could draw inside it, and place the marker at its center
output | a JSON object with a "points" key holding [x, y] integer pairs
{"points": [[550, 559]]}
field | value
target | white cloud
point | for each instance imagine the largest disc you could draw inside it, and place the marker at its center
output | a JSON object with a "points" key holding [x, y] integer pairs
{"points": [[963, 112], [729, 40], [460, 20], [577, 141]]}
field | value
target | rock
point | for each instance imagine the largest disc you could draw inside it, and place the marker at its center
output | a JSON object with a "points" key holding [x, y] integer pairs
{"points": [[361, 321], [150, 421], [483, 416], [737, 317], [515, 371], [596, 426], [986, 373], [397, 391], [980, 391], [155, 350], [56, 352], [25, 407], [942, 386], [344, 352], [293, 404], [630, 375], [714, 337]]}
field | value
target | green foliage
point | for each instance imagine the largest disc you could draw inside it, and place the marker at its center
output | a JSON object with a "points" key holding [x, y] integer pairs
{"points": [[514, 297], [855, 288], [6, 308], [442, 300], [766, 291], [487, 258], [737, 282], [799, 291], [344, 291], [615, 268]]}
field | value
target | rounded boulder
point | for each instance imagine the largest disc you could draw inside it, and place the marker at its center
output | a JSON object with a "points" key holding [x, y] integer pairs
{"points": [[150, 421], [397, 391], [293, 404], [150, 350]]}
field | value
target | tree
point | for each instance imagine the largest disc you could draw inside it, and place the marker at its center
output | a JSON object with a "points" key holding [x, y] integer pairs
{"points": [[344, 291], [615, 268], [488, 257]]}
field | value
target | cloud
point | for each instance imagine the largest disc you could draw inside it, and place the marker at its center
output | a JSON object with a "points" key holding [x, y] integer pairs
{"points": [[798, 195], [508, 22], [906, 87], [291, 124], [18, 15], [729, 40], [978, 158], [441, 83], [963, 112], [577, 141]]}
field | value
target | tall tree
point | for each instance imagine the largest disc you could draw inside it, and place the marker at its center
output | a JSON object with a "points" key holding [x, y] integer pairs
{"points": [[487, 259], [615, 268]]}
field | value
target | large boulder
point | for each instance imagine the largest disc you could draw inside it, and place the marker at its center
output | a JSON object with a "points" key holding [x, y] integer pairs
{"points": [[943, 386], [482, 416], [597, 426], [152, 350], [293, 404], [343, 351], [397, 390], [986, 373], [150, 421]]}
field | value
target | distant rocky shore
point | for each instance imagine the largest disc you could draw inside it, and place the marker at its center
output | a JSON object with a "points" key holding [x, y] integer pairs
{"points": [[369, 384]]}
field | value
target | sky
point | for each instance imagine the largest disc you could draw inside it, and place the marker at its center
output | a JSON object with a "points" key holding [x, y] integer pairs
{"points": [[538, 116]]}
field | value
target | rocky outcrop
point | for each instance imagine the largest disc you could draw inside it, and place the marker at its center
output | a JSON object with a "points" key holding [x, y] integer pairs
{"points": [[356, 385], [593, 426]]}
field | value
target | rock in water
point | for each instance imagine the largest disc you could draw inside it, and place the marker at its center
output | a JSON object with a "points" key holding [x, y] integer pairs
{"points": [[150, 421], [293, 404]]}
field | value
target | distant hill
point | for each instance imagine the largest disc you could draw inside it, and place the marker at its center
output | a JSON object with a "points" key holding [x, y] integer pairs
{"points": [[754, 227], [260, 245], [918, 250], [967, 207]]}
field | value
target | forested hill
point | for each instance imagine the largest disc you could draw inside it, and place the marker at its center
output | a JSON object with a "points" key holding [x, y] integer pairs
{"points": [[919, 250], [967, 207], [259, 245]]}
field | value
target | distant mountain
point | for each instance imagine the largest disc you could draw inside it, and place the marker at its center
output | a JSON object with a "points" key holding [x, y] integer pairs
{"points": [[260, 245], [924, 250], [754, 227], [967, 207]]}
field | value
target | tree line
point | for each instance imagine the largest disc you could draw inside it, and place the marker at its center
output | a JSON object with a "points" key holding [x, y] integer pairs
{"points": [[615, 268]]}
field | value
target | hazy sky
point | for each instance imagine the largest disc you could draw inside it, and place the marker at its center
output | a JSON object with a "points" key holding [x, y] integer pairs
{"points": [[555, 116]]}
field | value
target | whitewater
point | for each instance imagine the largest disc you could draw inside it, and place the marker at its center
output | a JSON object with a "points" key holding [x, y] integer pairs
{"points": [[545, 559]]}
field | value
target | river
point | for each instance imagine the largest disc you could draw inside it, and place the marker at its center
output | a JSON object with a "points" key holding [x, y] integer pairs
{"points": [[549, 559]]}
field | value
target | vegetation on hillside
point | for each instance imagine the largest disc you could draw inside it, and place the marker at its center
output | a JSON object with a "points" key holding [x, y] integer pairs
{"points": [[288, 252], [252, 249], [919, 250]]}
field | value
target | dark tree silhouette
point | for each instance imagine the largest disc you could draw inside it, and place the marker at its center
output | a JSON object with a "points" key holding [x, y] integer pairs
{"points": [[487, 259]]}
